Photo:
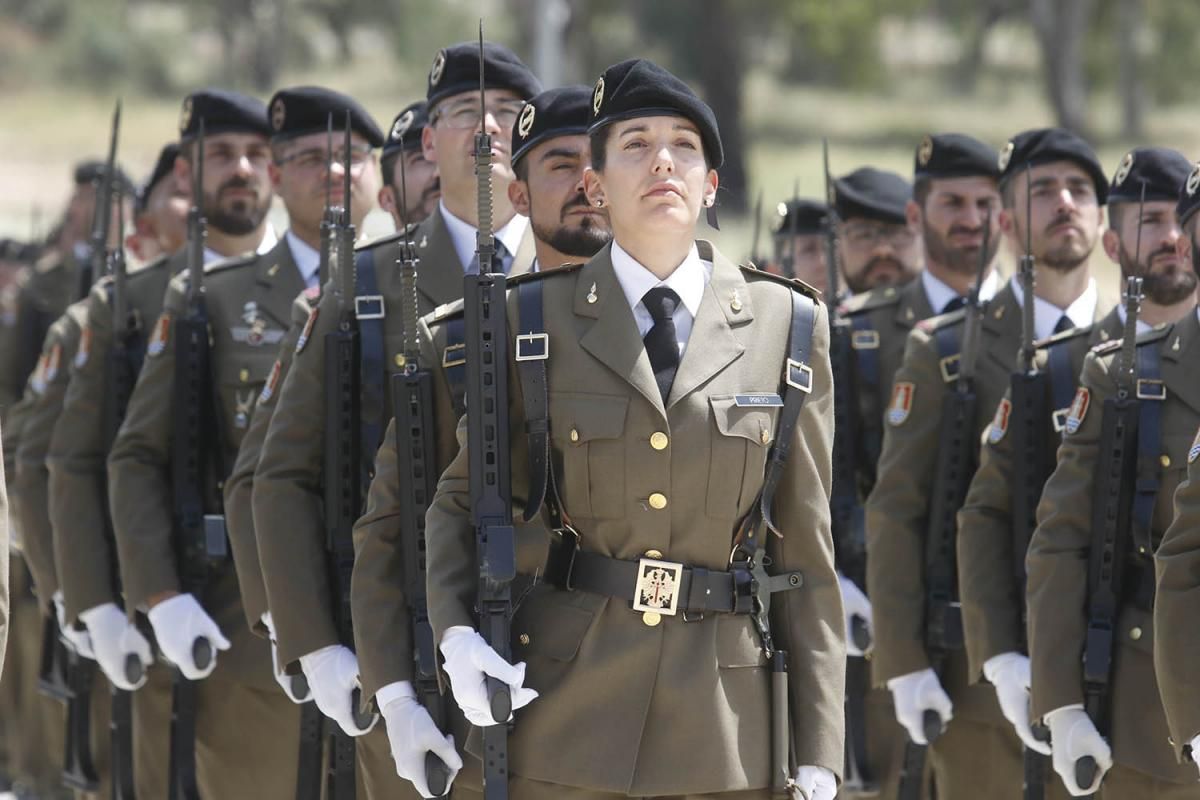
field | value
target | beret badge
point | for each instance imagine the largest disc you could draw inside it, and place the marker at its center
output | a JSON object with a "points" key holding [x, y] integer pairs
{"points": [[925, 151], [403, 123], [439, 66], [1193, 181], [185, 114], [1123, 170], [525, 122], [598, 96], [1005, 155], [278, 113]]}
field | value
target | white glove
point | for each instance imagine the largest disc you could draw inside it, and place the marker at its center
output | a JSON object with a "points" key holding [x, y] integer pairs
{"points": [[469, 662], [332, 674], [1196, 751], [177, 624], [855, 604], [914, 694], [285, 681], [412, 735], [78, 640], [1009, 674], [114, 640], [815, 783], [1074, 736]]}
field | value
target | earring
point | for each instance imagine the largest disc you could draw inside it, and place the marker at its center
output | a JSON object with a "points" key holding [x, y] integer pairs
{"points": [[600, 203], [708, 202]]}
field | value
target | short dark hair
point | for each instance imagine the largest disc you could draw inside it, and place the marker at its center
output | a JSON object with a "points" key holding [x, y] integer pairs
{"points": [[922, 186], [521, 169], [388, 165], [1116, 214]]}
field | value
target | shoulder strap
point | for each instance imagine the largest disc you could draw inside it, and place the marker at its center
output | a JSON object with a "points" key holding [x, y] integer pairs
{"points": [[369, 309], [454, 363], [1063, 381], [1151, 391], [949, 347], [531, 349]]}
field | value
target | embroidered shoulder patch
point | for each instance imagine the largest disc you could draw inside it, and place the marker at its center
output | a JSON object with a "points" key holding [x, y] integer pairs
{"points": [[1194, 452], [37, 380], [902, 399], [308, 329], [999, 425], [85, 347], [1078, 410], [162, 333], [272, 382]]}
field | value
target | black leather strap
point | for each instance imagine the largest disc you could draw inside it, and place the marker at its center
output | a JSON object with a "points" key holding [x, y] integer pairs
{"points": [[1063, 381], [454, 363], [369, 307], [531, 351], [1151, 392]]}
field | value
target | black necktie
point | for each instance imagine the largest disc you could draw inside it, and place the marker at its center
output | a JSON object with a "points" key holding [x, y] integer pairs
{"points": [[662, 345], [498, 257], [954, 304], [1064, 324]]}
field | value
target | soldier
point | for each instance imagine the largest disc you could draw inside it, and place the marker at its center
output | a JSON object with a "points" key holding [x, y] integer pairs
{"points": [[422, 189], [912, 580], [878, 246], [655, 151], [246, 730], [1107, 705], [800, 242], [160, 211]]}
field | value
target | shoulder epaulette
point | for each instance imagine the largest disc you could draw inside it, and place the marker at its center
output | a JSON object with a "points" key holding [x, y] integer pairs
{"points": [[1067, 335], [446, 311], [395, 236], [529, 277], [792, 283], [1104, 348], [233, 262], [48, 263], [942, 321], [882, 297]]}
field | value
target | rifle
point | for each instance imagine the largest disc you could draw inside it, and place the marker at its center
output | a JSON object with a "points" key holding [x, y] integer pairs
{"points": [[93, 265], [490, 464], [1033, 461], [846, 512], [1112, 504], [757, 230], [343, 476], [200, 541]]}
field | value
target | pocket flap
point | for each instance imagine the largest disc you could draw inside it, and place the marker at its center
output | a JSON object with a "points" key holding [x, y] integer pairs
{"points": [[580, 418], [752, 423]]}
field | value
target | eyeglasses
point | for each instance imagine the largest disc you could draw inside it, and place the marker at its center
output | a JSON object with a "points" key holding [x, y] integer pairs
{"points": [[314, 159], [867, 236], [465, 116]]}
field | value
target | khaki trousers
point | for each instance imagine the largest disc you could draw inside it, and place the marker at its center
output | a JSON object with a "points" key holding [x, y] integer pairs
{"points": [[886, 740], [976, 760], [151, 733]]}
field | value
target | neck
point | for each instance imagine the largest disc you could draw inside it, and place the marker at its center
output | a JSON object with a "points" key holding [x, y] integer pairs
{"points": [[466, 208], [658, 253], [1154, 314], [308, 234], [1060, 289], [960, 282], [549, 258], [227, 245]]}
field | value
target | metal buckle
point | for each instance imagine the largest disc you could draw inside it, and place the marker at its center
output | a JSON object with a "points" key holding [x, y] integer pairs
{"points": [[533, 347], [459, 357], [865, 340], [949, 368], [1150, 389], [1059, 416], [799, 376], [368, 306], [656, 592]]}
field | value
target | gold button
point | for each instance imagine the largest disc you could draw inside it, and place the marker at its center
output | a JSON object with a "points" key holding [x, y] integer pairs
{"points": [[659, 440], [1165, 460], [651, 618], [658, 501], [574, 434], [654, 554], [244, 375], [400, 360], [1135, 634], [524, 637], [764, 436]]}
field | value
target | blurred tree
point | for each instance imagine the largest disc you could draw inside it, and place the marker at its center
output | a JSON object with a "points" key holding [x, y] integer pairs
{"points": [[1062, 27]]}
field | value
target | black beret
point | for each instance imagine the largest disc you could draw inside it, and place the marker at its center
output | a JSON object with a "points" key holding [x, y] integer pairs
{"points": [[456, 70], [800, 215], [954, 155], [162, 168], [408, 125], [1045, 145], [29, 253], [306, 109], [872, 193], [641, 88], [1189, 196], [1161, 170], [89, 172], [554, 112], [223, 111], [10, 249]]}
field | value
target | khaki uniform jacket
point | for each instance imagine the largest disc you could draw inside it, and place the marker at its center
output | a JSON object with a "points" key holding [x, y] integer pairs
{"points": [[898, 507], [249, 302], [1057, 562], [288, 498], [992, 602], [42, 403], [655, 698], [79, 446]]}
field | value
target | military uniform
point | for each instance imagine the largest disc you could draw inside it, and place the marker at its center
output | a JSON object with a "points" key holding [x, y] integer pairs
{"points": [[247, 730], [1058, 557]]}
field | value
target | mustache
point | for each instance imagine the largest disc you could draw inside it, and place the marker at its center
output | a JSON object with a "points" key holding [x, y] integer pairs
{"points": [[235, 183], [964, 231], [1061, 219], [579, 201]]}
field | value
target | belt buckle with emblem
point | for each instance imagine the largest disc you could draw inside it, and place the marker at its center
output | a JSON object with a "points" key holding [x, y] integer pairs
{"points": [[656, 592]]}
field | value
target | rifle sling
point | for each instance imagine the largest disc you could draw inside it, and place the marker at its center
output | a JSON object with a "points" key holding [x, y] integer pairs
{"points": [[371, 362], [531, 366], [867, 360], [1062, 383], [1151, 392], [454, 363]]}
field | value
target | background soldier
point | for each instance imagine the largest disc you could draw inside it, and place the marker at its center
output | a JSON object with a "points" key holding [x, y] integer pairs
{"points": [[422, 187], [878, 247], [159, 211], [799, 242], [1125, 732], [916, 624]]}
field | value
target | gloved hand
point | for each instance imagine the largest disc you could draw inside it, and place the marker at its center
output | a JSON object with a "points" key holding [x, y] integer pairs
{"points": [[1074, 736], [857, 607], [1009, 674], [288, 683], [914, 694], [178, 622], [75, 638], [332, 674], [412, 736], [1196, 751], [816, 783], [469, 662], [114, 640]]}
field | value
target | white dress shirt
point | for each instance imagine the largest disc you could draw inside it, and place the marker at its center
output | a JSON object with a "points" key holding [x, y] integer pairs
{"points": [[938, 292], [307, 258], [463, 235], [1046, 315], [269, 241], [688, 281]]}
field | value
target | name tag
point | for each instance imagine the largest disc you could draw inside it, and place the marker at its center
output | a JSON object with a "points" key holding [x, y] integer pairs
{"points": [[770, 400]]}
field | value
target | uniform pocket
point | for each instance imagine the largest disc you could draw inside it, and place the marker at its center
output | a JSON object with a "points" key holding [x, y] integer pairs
{"points": [[240, 384], [737, 643], [739, 448], [588, 432]]}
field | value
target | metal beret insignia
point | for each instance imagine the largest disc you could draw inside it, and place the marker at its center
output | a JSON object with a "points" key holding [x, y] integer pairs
{"points": [[525, 122], [185, 114], [781, 209], [403, 123], [278, 113], [439, 66], [1193, 181], [598, 96], [925, 151], [1124, 170], [1005, 155]]}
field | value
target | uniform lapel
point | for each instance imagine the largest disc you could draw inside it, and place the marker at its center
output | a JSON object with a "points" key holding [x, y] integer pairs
{"points": [[914, 304], [278, 282], [1180, 355], [613, 337], [440, 274], [1002, 320], [712, 344]]}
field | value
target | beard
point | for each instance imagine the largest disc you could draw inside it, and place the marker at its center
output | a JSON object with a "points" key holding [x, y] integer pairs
{"points": [[1167, 286], [423, 207], [960, 260], [1069, 255], [879, 271], [582, 240], [238, 217]]}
